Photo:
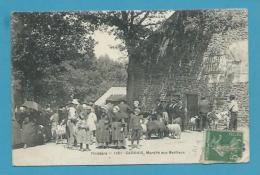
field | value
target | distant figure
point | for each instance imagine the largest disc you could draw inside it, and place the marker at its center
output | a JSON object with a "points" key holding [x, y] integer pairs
{"points": [[204, 108], [83, 132], [136, 104], [71, 123], [172, 110], [233, 110], [54, 119], [103, 132], [135, 127], [117, 128], [124, 111], [164, 111], [31, 131], [61, 131], [91, 120]]}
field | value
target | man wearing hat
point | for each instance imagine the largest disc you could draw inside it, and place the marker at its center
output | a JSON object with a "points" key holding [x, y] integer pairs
{"points": [[204, 108], [233, 110], [172, 110], [71, 123], [124, 111]]}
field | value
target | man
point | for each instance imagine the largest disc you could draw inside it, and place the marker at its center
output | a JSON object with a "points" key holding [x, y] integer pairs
{"points": [[233, 110], [71, 123], [136, 104], [204, 108], [171, 109], [163, 111], [180, 111], [54, 119], [124, 111]]}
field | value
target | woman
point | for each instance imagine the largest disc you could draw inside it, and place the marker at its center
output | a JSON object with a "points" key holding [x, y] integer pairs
{"points": [[102, 132], [117, 129], [92, 119], [83, 133]]}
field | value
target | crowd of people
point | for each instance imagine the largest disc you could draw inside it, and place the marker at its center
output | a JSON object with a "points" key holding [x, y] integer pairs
{"points": [[107, 126], [81, 125]]}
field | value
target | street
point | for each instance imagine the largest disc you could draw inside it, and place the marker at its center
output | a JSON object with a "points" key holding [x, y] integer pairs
{"points": [[188, 149]]}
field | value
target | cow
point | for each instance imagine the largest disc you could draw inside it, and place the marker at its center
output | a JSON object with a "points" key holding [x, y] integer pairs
{"points": [[156, 127]]}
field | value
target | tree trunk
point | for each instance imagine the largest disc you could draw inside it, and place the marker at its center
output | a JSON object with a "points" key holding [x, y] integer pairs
{"points": [[130, 80]]}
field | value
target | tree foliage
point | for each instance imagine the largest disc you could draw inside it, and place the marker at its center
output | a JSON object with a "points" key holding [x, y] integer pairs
{"points": [[132, 27], [53, 59]]}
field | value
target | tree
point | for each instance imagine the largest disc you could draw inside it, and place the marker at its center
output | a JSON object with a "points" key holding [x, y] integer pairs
{"points": [[41, 42], [132, 27]]}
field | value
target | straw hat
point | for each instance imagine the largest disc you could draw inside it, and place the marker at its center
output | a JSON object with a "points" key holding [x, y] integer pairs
{"points": [[86, 107], [75, 102], [116, 108]]}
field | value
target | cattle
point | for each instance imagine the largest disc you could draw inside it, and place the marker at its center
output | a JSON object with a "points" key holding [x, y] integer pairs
{"points": [[156, 127], [174, 130], [193, 123], [144, 126]]}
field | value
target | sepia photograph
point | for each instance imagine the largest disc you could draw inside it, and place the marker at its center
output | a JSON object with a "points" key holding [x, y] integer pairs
{"points": [[130, 87]]}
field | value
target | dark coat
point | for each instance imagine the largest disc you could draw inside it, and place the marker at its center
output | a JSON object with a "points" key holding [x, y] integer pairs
{"points": [[17, 133], [117, 126], [135, 122], [204, 106], [124, 110], [31, 134], [102, 132]]}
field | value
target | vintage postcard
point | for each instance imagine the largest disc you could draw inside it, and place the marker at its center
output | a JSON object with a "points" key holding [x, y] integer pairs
{"points": [[130, 87]]}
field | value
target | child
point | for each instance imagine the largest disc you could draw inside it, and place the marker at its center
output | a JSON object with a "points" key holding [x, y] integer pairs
{"points": [[91, 121], [54, 119], [135, 127], [61, 131], [83, 133]]}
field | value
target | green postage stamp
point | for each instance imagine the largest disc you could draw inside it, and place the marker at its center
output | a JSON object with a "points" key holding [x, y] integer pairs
{"points": [[223, 146]]}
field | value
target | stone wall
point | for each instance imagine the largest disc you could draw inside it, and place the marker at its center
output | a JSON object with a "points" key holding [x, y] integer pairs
{"points": [[177, 61]]}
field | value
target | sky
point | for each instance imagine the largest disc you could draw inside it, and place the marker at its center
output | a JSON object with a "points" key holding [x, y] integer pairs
{"points": [[105, 41]]}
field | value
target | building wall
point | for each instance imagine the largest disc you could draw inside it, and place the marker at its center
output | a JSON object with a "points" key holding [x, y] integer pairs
{"points": [[175, 63]]}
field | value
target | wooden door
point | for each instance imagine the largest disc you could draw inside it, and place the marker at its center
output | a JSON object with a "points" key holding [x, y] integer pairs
{"points": [[192, 107]]}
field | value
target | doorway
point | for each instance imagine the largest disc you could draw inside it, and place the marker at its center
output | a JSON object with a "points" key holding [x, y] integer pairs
{"points": [[191, 106]]}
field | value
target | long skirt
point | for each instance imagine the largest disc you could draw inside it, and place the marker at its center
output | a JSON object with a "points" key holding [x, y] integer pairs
{"points": [[17, 134], [102, 132], [30, 135], [117, 131], [83, 136]]}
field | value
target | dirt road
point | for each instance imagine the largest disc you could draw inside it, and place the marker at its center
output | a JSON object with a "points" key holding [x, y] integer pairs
{"points": [[188, 149]]}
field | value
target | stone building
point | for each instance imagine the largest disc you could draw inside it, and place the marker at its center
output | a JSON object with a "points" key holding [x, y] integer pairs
{"points": [[193, 54]]}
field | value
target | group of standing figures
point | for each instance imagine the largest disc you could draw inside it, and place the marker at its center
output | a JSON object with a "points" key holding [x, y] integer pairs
{"points": [[110, 125]]}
